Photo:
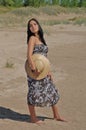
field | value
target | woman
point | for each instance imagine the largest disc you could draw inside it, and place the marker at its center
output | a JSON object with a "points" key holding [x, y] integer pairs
{"points": [[49, 95]]}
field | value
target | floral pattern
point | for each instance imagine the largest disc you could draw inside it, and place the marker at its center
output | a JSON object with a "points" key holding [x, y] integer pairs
{"points": [[41, 49], [41, 92]]}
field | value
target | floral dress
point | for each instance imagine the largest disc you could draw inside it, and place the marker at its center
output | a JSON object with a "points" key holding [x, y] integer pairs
{"points": [[41, 92]]}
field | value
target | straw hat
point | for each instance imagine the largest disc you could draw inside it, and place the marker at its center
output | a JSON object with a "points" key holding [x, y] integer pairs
{"points": [[42, 64]]}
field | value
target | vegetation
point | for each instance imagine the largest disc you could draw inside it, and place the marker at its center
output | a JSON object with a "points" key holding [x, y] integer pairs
{"points": [[15, 13], [11, 2], [9, 65], [38, 3], [47, 15]]}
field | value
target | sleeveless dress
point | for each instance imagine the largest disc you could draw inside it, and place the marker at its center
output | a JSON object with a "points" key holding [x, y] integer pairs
{"points": [[41, 92]]}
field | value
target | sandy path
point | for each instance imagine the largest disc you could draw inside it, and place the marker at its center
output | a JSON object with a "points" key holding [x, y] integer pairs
{"points": [[67, 53]]}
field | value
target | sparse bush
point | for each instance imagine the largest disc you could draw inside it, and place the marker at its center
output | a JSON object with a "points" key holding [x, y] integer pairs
{"points": [[9, 64]]}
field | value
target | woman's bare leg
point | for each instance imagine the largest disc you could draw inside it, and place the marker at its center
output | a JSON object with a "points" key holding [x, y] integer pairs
{"points": [[56, 114], [34, 119]]}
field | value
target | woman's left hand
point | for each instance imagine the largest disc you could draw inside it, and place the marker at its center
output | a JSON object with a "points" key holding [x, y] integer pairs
{"points": [[50, 75]]}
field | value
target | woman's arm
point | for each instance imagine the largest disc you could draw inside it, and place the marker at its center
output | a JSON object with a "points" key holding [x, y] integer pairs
{"points": [[30, 52]]}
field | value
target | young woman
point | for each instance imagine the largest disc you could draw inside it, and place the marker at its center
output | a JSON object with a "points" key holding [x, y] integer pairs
{"points": [[41, 92]]}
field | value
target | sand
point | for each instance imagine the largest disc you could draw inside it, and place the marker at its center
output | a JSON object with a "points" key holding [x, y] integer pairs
{"points": [[67, 54]]}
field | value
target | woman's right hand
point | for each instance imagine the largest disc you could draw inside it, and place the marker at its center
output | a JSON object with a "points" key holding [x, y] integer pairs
{"points": [[36, 71]]}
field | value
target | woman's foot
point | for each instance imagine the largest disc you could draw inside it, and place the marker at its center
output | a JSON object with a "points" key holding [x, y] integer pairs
{"points": [[37, 121], [60, 119]]}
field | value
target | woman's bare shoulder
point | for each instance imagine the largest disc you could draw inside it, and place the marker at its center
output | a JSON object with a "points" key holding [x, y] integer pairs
{"points": [[32, 40]]}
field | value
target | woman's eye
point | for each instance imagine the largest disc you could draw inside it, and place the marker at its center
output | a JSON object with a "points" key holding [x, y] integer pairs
{"points": [[34, 23]]}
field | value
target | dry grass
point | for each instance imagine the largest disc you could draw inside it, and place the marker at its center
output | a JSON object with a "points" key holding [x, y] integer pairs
{"points": [[9, 65], [53, 14]]}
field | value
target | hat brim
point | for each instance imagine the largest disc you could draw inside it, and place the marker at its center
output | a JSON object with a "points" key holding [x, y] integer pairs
{"points": [[46, 68]]}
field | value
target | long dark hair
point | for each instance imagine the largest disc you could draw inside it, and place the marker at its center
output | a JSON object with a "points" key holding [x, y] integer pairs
{"points": [[40, 32]]}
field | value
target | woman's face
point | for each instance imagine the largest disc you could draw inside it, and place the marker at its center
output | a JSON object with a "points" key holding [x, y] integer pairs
{"points": [[34, 28]]}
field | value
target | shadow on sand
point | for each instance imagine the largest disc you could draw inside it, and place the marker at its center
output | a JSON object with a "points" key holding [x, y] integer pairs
{"points": [[6, 113]]}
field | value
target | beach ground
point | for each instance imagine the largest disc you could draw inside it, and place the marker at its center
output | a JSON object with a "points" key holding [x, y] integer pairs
{"points": [[67, 54]]}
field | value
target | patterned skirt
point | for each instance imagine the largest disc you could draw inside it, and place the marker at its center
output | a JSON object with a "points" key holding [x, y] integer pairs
{"points": [[42, 92]]}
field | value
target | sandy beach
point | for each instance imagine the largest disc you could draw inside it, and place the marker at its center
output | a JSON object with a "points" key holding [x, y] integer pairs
{"points": [[67, 54]]}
